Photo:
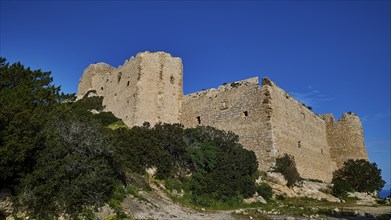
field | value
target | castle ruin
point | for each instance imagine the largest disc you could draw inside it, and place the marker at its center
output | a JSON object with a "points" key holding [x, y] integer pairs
{"points": [[267, 119]]}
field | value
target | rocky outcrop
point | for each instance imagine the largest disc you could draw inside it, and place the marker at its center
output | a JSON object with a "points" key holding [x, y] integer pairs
{"points": [[307, 189], [6, 205], [363, 198]]}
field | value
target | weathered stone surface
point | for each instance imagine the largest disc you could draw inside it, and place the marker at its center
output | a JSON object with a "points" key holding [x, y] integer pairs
{"points": [[145, 88], [267, 119], [104, 212], [314, 190], [307, 189], [363, 198], [255, 199], [345, 138]]}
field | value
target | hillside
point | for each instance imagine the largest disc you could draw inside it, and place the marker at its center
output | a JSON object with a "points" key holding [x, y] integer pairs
{"points": [[67, 159]]}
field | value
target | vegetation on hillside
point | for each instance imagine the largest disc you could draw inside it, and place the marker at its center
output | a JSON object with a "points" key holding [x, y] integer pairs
{"points": [[59, 158], [357, 175]]}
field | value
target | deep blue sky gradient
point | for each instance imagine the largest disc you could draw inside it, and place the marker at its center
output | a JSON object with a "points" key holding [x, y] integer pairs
{"points": [[331, 55]]}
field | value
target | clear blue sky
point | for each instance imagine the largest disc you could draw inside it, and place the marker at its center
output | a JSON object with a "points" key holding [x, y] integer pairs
{"points": [[332, 55]]}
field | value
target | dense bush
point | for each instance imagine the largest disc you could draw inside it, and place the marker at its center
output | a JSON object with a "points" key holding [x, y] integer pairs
{"points": [[144, 147], [286, 165], [55, 157], [26, 96], [341, 188], [89, 103], [76, 170], [264, 190], [361, 175], [84, 106], [220, 167]]}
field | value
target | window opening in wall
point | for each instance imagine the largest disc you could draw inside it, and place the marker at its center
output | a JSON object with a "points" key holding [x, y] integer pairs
{"points": [[299, 144], [199, 119], [172, 79], [245, 113], [223, 105], [321, 151], [101, 88], [119, 76], [128, 83], [303, 115]]}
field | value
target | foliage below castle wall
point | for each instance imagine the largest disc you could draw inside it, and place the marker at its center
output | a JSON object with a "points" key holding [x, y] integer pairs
{"points": [[233, 107]]}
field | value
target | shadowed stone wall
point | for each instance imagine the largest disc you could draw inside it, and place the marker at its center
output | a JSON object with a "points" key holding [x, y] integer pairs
{"points": [[299, 132], [345, 138]]}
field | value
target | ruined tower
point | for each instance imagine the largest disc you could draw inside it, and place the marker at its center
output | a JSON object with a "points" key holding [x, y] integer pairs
{"points": [[146, 88], [345, 138]]}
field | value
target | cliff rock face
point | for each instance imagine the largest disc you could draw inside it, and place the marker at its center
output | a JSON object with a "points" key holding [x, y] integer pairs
{"points": [[148, 88]]}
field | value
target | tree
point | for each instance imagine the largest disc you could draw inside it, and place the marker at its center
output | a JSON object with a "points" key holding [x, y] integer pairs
{"points": [[286, 165], [362, 175], [264, 190], [76, 170], [222, 169], [341, 188], [26, 97]]}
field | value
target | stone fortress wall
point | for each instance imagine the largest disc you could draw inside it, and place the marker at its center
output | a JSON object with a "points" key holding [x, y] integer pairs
{"points": [[266, 118], [147, 87], [268, 121], [299, 132], [233, 107]]}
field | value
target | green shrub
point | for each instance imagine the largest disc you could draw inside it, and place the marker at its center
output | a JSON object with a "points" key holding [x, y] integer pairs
{"points": [[75, 165], [361, 175], [222, 169], [106, 118], [264, 190], [280, 197], [341, 188], [287, 167], [26, 98], [90, 103], [172, 184]]}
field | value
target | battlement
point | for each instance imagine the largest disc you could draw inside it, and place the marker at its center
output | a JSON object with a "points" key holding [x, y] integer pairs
{"points": [[224, 87]]}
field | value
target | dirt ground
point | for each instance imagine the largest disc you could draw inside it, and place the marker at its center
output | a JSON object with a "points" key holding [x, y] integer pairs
{"points": [[159, 206]]}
